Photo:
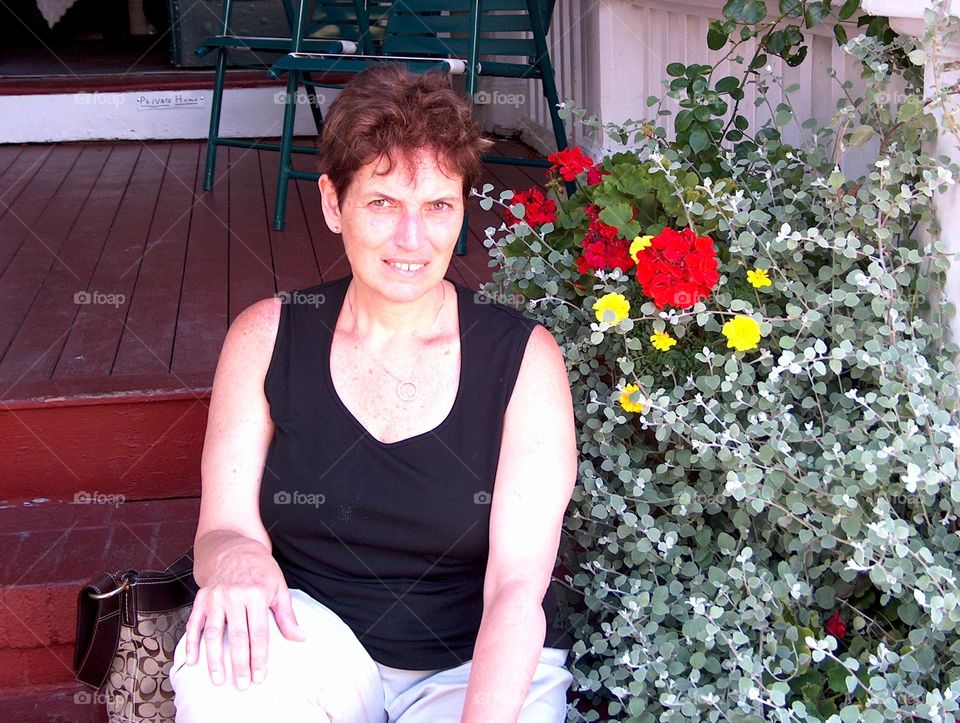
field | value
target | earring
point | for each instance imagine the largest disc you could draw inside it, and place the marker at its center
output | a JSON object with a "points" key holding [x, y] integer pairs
{"points": [[336, 229]]}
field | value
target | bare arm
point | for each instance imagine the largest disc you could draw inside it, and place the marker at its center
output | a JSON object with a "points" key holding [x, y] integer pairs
{"points": [[535, 478], [240, 582], [238, 434]]}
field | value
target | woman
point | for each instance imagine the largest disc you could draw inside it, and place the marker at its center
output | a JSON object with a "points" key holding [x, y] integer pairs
{"points": [[387, 461]]}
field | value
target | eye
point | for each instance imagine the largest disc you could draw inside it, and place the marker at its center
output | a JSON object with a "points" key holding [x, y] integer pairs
{"points": [[440, 205], [379, 202]]}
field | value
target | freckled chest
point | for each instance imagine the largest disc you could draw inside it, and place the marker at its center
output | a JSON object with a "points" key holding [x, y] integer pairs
{"points": [[369, 393]]}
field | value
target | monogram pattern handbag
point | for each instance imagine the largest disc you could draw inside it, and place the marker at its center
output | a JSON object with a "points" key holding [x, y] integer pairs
{"points": [[128, 625]]}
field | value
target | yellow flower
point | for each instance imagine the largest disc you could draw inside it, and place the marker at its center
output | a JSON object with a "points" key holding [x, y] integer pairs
{"points": [[742, 332], [662, 341], [638, 245], [626, 399], [758, 278], [617, 306]]}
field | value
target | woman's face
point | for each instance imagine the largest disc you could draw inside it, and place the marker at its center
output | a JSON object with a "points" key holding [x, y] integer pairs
{"points": [[399, 228]]}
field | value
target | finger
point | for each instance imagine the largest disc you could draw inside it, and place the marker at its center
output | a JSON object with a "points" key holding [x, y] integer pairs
{"points": [[286, 620], [192, 632], [238, 638], [213, 641], [258, 621]]}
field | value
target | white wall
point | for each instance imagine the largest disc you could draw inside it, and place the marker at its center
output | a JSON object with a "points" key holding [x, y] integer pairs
{"points": [[610, 55]]}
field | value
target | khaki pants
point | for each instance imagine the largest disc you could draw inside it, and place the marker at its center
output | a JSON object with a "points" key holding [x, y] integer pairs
{"points": [[330, 678]]}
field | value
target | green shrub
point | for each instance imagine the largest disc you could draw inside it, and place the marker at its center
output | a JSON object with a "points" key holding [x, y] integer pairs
{"points": [[755, 499]]}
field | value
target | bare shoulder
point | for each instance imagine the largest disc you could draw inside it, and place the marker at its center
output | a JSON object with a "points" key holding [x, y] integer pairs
{"points": [[542, 344], [542, 388], [261, 318], [253, 333], [543, 358]]}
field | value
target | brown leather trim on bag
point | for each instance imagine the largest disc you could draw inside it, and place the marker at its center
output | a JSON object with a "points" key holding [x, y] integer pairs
{"points": [[157, 592], [98, 631], [99, 619]]}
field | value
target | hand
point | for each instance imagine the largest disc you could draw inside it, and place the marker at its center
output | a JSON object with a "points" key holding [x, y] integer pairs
{"points": [[245, 587]]}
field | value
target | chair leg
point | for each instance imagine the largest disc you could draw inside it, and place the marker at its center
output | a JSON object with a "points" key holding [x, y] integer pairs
{"points": [[540, 13], [286, 142], [461, 248], [559, 131], [550, 90], [216, 102], [314, 104]]}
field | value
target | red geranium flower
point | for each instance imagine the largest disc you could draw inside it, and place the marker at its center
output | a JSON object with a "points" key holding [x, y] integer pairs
{"points": [[603, 249], [538, 209], [835, 626], [595, 175], [678, 268], [570, 162]]}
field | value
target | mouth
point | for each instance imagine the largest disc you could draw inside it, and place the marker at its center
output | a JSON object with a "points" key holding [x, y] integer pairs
{"points": [[406, 267]]}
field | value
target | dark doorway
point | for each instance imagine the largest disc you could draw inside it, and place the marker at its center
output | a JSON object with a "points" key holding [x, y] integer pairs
{"points": [[91, 38]]}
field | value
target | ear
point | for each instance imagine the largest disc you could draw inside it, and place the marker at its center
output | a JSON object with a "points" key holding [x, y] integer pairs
{"points": [[330, 203]]}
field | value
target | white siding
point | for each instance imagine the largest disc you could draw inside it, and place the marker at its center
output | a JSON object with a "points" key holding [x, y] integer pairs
{"points": [[610, 55]]}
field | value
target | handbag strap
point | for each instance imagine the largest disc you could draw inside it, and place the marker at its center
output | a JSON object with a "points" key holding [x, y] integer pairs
{"points": [[98, 630], [160, 592], [109, 601]]}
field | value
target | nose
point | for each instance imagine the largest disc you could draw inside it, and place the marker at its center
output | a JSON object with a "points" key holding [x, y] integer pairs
{"points": [[409, 233]]}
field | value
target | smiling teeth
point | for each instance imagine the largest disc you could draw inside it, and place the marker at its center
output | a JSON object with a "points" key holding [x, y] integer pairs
{"points": [[407, 267]]}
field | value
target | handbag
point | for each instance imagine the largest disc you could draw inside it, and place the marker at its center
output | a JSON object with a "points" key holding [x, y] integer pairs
{"points": [[128, 626]]}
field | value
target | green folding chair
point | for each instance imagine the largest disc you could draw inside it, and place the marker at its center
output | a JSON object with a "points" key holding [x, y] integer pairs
{"points": [[337, 26], [452, 36]]}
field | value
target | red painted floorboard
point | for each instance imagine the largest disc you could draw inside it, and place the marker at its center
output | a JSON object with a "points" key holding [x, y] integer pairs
{"points": [[108, 390]]}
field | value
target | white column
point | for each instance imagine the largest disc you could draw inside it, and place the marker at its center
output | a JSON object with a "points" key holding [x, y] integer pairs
{"points": [[906, 17]]}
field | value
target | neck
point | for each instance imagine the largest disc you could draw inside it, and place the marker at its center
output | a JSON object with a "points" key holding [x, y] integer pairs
{"points": [[378, 318]]}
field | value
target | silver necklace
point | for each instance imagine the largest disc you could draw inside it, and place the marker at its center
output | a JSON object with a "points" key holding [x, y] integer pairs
{"points": [[407, 389]]}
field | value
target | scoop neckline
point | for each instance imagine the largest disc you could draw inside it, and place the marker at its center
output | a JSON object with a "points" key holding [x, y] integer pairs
{"points": [[328, 375]]}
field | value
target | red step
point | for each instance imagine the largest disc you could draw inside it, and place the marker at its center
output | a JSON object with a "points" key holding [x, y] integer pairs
{"points": [[136, 436], [69, 703], [52, 548]]}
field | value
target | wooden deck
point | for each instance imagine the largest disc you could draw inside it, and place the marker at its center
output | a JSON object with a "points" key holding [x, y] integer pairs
{"points": [[120, 276]]}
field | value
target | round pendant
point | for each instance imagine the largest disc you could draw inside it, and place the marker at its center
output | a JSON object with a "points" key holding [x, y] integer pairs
{"points": [[407, 391]]}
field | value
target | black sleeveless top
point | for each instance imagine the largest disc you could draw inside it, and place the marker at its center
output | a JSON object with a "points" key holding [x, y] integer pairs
{"points": [[393, 537]]}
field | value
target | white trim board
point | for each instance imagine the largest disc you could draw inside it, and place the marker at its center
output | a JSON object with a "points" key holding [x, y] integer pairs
{"points": [[149, 115]]}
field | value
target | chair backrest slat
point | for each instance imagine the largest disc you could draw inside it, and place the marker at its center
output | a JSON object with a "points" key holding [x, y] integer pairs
{"points": [[462, 5], [442, 27], [429, 45], [335, 15], [341, 19], [416, 24]]}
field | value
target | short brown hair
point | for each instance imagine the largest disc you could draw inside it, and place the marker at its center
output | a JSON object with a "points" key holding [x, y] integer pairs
{"points": [[388, 111]]}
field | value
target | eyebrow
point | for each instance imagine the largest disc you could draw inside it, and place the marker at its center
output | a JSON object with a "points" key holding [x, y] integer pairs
{"points": [[374, 193]]}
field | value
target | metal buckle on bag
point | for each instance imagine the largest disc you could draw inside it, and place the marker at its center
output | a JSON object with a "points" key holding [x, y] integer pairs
{"points": [[124, 585]]}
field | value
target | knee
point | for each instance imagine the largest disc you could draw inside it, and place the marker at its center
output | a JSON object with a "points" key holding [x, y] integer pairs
{"points": [[547, 698], [346, 679], [197, 698], [327, 677]]}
